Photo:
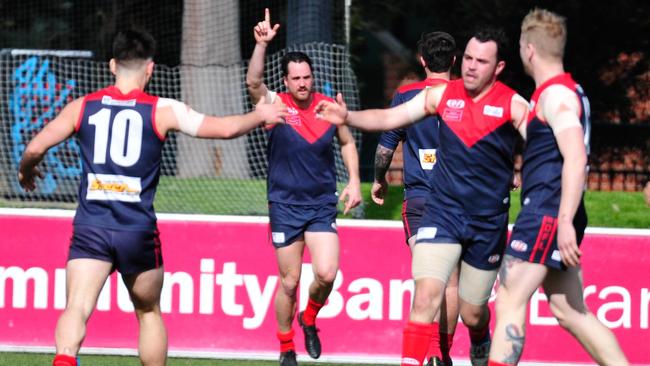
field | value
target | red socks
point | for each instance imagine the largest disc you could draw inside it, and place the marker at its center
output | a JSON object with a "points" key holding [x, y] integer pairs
{"points": [[434, 345], [286, 341], [64, 360], [309, 315], [415, 342]]}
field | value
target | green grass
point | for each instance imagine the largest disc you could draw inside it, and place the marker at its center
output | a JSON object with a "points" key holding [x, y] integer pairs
{"points": [[31, 359], [605, 209], [248, 197]]}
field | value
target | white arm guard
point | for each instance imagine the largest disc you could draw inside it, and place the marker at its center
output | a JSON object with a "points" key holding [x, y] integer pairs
{"points": [[188, 119]]}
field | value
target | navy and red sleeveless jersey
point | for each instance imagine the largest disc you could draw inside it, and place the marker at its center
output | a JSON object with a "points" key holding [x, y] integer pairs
{"points": [[542, 164], [420, 143], [301, 157], [475, 156], [120, 152]]}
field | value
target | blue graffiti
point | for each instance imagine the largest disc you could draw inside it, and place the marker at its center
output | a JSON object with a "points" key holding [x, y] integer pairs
{"points": [[36, 100]]}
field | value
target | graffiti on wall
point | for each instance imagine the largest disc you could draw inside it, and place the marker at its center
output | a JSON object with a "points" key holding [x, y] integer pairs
{"points": [[36, 99]]}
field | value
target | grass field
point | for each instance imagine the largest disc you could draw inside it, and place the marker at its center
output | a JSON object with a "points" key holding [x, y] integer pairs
{"points": [[248, 197], [31, 359]]}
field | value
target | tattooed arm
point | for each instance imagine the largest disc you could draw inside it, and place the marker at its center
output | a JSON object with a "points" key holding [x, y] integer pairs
{"points": [[383, 158]]}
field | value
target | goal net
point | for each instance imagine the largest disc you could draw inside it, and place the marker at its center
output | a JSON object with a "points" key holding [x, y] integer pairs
{"points": [[206, 68]]}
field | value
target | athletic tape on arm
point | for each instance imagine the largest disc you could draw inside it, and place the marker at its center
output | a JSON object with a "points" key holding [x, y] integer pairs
{"points": [[561, 108], [188, 119]]}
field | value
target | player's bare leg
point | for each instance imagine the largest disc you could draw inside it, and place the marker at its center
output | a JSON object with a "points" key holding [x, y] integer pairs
{"points": [[474, 289], [518, 281], [449, 312], [432, 265], [144, 289], [324, 251], [84, 280], [566, 301], [289, 265]]}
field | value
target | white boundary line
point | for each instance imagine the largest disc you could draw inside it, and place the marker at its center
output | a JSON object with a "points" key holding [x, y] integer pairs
{"points": [[229, 355], [39, 212]]}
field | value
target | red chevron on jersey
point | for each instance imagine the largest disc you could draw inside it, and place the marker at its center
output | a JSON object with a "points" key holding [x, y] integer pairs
{"points": [[304, 121], [473, 120]]}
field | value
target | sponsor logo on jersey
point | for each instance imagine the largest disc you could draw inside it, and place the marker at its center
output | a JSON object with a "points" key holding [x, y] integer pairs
{"points": [[427, 233], [278, 237], [556, 256], [454, 110], [293, 117], [110, 187], [494, 258], [518, 246], [427, 158], [107, 100], [532, 105], [493, 111], [456, 103]]}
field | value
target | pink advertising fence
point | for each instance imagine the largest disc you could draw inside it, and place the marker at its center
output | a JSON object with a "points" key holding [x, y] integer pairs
{"points": [[221, 277]]}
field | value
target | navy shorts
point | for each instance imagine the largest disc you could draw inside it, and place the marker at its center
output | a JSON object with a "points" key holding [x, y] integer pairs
{"points": [[412, 211], [289, 222], [130, 251], [534, 238], [483, 238]]}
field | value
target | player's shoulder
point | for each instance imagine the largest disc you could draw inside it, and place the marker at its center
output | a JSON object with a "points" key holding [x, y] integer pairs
{"points": [[318, 97], [503, 89], [412, 87]]}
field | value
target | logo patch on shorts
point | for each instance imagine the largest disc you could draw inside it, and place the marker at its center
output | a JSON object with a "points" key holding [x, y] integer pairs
{"points": [[278, 237], [556, 256], [427, 233], [494, 258], [518, 246], [334, 226], [427, 158]]}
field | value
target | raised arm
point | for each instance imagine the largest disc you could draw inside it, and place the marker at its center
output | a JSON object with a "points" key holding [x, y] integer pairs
{"points": [[424, 103], [263, 33], [351, 195], [177, 116], [55, 132], [561, 110]]}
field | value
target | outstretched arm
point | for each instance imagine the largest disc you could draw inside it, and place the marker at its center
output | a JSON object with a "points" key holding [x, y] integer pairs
{"points": [[52, 134], [177, 116], [351, 195], [561, 110], [405, 114], [263, 33]]}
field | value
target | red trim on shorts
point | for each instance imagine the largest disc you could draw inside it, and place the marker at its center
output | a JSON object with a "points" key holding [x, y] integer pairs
{"points": [[405, 219], [550, 238], [156, 248], [541, 236]]}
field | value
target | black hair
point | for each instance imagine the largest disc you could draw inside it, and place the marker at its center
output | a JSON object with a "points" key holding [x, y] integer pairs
{"points": [[438, 50], [133, 44], [294, 57], [496, 35]]}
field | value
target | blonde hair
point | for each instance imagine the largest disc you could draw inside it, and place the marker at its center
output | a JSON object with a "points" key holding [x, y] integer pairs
{"points": [[546, 31]]}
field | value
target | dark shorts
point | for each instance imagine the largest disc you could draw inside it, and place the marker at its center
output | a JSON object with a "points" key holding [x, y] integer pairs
{"points": [[412, 211], [289, 222], [130, 251], [483, 238], [534, 238]]}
